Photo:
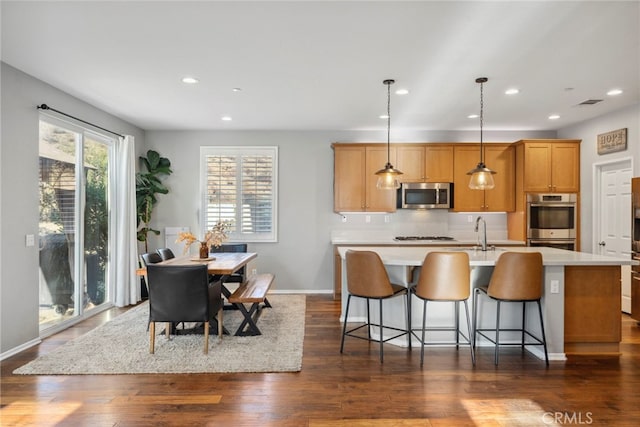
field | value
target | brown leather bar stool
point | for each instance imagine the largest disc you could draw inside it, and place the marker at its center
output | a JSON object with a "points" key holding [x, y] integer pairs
{"points": [[517, 277], [445, 277], [368, 279]]}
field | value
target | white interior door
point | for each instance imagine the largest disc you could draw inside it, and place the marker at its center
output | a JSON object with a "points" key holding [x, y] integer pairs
{"points": [[614, 218]]}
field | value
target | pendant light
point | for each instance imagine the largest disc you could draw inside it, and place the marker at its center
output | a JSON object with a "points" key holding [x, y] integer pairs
{"points": [[481, 176], [388, 177]]}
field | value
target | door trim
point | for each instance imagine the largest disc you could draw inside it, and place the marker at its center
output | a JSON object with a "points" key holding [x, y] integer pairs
{"points": [[597, 193]]}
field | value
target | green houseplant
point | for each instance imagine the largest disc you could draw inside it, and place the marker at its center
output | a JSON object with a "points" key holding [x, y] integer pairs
{"points": [[148, 186]]}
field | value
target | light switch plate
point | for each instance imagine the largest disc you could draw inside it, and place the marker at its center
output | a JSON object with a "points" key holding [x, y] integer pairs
{"points": [[30, 240]]}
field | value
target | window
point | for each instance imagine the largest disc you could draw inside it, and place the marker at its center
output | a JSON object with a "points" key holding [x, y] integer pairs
{"points": [[240, 184], [75, 228]]}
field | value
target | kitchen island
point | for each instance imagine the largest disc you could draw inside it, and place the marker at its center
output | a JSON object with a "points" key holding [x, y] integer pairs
{"points": [[581, 301], [386, 239]]}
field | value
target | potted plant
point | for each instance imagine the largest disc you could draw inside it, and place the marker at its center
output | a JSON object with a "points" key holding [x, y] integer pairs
{"points": [[148, 186]]}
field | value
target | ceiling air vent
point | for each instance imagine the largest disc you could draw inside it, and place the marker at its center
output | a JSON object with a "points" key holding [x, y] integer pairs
{"points": [[590, 101]]}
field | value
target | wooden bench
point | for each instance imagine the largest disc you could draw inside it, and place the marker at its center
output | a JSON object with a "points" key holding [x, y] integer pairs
{"points": [[254, 292]]}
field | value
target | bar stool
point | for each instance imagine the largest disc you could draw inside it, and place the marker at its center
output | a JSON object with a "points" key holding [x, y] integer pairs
{"points": [[368, 279], [517, 277], [445, 277]]}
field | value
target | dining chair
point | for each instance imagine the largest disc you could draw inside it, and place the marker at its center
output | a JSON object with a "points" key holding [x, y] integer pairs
{"points": [[151, 258], [145, 260], [367, 278], [165, 253], [517, 277], [179, 293], [445, 277]]}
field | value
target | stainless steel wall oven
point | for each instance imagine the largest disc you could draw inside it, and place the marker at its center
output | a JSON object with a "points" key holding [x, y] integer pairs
{"points": [[552, 220]]}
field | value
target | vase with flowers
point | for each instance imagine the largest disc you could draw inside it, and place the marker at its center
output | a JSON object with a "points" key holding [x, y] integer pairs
{"points": [[214, 237]]}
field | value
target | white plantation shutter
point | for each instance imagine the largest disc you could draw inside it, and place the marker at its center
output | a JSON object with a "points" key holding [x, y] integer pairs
{"points": [[240, 185]]}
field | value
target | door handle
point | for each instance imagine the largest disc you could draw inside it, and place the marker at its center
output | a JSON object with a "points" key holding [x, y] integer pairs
{"points": [[602, 243]]}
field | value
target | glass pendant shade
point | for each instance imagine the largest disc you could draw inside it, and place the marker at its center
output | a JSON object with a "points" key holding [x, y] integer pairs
{"points": [[388, 178], [481, 178]]}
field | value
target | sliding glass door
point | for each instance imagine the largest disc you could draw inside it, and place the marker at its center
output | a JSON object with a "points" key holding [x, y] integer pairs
{"points": [[75, 232]]}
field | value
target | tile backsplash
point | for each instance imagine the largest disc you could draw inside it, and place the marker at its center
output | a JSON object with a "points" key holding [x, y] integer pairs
{"points": [[433, 222]]}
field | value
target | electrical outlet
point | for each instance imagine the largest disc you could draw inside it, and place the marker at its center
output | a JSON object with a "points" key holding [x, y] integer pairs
{"points": [[555, 287], [30, 240], [254, 271], [469, 218], [367, 218], [387, 218]]}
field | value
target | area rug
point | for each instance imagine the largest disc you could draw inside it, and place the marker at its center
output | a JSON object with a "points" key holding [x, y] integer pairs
{"points": [[121, 346]]}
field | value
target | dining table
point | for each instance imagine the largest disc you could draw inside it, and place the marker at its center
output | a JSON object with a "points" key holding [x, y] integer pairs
{"points": [[219, 264]]}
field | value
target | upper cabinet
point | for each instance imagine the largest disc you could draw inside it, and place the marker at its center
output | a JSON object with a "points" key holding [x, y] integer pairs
{"points": [[550, 165], [425, 162], [497, 157], [439, 163], [354, 186]]}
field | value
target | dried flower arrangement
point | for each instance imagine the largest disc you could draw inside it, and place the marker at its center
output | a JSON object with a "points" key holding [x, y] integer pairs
{"points": [[214, 237]]}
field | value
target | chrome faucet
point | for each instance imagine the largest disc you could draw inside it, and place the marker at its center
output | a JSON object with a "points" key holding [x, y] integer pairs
{"points": [[483, 242]]}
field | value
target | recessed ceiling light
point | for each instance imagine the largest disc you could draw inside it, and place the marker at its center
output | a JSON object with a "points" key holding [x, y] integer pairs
{"points": [[190, 80], [237, 89], [614, 92], [383, 116], [402, 92], [226, 118], [554, 117], [512, 91], [472, 116]]}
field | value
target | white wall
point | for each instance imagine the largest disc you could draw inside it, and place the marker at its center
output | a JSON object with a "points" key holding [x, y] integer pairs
{"points": [[588, 131], [20, 197]]}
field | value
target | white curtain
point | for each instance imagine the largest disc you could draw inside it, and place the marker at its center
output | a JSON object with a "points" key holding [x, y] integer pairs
{"points": [[127, 290]]}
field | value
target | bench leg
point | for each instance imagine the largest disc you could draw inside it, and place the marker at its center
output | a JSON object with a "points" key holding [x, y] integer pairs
{"points": [[249, 321]]}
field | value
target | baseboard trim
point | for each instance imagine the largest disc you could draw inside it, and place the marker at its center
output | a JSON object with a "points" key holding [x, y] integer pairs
{"points": [[20, 348]]}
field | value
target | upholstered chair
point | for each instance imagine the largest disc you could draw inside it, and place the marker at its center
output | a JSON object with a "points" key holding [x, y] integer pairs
{"points": [[445, 277]]}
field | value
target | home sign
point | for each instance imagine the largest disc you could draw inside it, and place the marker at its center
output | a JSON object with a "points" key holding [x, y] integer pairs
{"points": [[612, 141]]}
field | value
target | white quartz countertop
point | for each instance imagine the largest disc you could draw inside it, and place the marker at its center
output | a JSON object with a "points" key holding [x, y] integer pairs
{"points": [[414, 255], [391, 241]]}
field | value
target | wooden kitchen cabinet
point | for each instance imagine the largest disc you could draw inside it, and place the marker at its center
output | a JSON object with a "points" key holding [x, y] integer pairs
{"points": [[592, 309], [354, 186], [425, 162], [438, 163], [551, 166], [411, 162], [498, 157]]}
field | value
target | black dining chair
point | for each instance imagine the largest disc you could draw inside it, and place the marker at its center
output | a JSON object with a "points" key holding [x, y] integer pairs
{"points": [[145, 260], [183, 293], [151, 258], [165, 253]]}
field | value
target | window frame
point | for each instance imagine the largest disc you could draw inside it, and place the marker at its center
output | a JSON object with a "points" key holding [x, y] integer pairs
{"points": [[239, 151]]}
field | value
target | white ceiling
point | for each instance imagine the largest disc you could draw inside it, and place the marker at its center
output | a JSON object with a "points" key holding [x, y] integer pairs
{"points": [[320, 65]]}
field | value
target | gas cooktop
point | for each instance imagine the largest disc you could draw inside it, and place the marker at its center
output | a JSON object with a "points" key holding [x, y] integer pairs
{"points": [[423, 238]]}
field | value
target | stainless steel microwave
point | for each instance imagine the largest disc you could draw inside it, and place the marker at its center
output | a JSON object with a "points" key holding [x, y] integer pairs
{"points": [[425, 195]]}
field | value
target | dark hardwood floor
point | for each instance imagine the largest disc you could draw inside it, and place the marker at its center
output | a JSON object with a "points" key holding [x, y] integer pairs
{"points": [[352, 389]]}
